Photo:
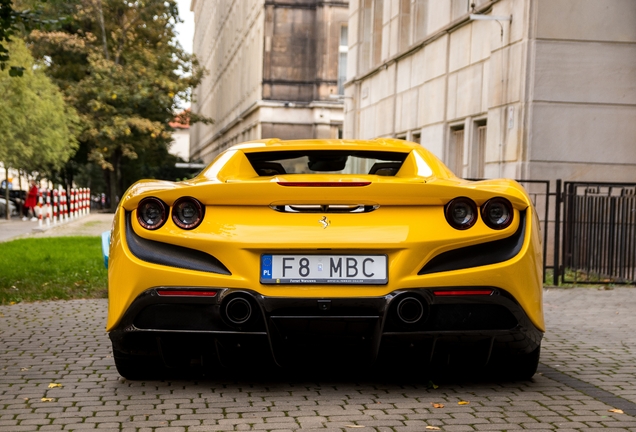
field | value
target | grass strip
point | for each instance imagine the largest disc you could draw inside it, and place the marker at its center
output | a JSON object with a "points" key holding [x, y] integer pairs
{"points": [[51, 268]]}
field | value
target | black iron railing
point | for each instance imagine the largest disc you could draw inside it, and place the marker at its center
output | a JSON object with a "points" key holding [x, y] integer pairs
{"points": [[599, 232]]}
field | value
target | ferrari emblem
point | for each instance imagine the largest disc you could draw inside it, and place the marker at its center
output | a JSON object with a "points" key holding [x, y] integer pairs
{"points": [[325, 222]]}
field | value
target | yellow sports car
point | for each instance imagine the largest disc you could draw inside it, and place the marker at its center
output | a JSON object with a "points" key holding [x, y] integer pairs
{"points": [[325, 252]]}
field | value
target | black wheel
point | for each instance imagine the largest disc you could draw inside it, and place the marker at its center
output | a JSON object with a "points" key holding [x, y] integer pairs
{"points": [[137, 367], [523, 367]]}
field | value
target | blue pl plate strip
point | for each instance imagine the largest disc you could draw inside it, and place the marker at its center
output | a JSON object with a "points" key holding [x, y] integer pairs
{"points": [[266, 267]]}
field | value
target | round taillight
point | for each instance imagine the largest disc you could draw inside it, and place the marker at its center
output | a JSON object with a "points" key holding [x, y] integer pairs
{"points": [[461, 213], [151, 213], [187, 213], [497, 213]]}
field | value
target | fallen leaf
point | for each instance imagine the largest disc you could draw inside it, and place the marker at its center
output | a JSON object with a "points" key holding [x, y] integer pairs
{"points": [[616, 411], [432, 428], [432, 385], [77, 284], [24, 369], [54, 385], [11, 303], [437, 405], [355, 426], [463, 403], [47, 399]]}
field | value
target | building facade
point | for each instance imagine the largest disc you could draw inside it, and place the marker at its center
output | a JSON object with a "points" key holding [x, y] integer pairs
{"points": [[276, 70], [527, 89]]}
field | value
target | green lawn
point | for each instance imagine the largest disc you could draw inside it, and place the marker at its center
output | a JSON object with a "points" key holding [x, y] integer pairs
{"points": [[51, 268]]}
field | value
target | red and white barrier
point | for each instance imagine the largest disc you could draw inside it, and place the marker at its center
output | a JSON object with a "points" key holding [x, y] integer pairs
{"points": [[40, 202], [72, 206], [60, 207], [84, 209], [63, 209], [48, 208], [55, 206]]}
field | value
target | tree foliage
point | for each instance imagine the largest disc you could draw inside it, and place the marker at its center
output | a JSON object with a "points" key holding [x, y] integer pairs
{"points": [[38, 128], [120, 67], [14, 22]]}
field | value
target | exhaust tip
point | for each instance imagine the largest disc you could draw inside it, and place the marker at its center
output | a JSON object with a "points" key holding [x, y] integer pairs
{"points": [[238, 310], [410, 310]]}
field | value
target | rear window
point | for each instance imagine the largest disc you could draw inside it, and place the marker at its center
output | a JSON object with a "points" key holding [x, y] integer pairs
{"points": [[326, 162]]}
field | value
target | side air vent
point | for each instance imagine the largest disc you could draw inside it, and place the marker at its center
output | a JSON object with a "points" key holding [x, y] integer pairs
{"points": [[325, 208]]}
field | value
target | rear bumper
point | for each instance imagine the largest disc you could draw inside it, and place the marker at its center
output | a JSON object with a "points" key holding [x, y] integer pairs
{"points": [[241, 326]]}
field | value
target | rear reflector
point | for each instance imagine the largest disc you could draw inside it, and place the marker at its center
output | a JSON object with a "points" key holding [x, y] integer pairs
{"points": [[324, 184], [186, 293], [463, 292]]}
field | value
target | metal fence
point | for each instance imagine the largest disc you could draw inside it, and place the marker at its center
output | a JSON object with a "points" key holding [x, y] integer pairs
{"points": [[599, 233]]}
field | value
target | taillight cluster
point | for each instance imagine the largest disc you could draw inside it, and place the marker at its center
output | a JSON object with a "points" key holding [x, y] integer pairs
{"points": [[461, 213], [187, 213]]}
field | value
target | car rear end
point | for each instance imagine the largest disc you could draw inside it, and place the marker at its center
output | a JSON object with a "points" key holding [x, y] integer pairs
{"points": [[303, 268]]}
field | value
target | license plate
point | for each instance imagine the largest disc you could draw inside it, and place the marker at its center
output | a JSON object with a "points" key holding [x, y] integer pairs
{"points": [[324, 269]]}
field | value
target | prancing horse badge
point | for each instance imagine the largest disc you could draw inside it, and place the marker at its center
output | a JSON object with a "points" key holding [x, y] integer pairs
{"points": [[325, 222]]}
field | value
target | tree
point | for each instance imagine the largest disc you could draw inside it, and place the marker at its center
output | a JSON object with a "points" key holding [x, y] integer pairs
{"points": [[120, 67], [38, 128], [13, 22]]}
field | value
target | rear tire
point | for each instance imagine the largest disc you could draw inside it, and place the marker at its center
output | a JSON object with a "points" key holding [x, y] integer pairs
{"points": [[136, 368], [523, 367]]}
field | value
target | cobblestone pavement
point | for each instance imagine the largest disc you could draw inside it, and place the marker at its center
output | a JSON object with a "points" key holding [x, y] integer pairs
{"points": [[588, 368]]}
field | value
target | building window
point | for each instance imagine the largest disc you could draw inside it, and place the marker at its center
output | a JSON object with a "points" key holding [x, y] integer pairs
{"points": [[479, 150], [378, 11], [371, 33], [456, 150], [405, 24], [416, 137], [342, 58], [366, 18], [459, 8], [419, 19]]}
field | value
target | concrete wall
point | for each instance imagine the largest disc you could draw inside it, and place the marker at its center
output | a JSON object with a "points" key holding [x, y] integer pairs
{"points": [[555, 87], [584, 91], [443, 73], [272, 69]]}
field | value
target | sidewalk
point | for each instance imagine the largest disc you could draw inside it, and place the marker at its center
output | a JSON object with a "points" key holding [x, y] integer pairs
{"points": [[90, 225]]}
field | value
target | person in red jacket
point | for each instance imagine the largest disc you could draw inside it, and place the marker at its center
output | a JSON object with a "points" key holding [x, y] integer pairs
{"points": [[31, 202]]}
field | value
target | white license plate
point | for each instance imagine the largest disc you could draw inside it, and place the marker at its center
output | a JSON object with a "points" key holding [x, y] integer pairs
{"points": [[324, 269]]}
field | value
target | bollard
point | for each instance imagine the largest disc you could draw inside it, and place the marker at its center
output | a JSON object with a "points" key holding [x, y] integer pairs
{"points": [[48, 208], [55, 206], [80, 202], [72, 206], [83, 201], [63, 213], [75, 204], [40, 202]]}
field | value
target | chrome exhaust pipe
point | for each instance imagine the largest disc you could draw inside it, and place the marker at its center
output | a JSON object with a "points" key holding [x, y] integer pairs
{"points": [[238, 310], [410, 310]]}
